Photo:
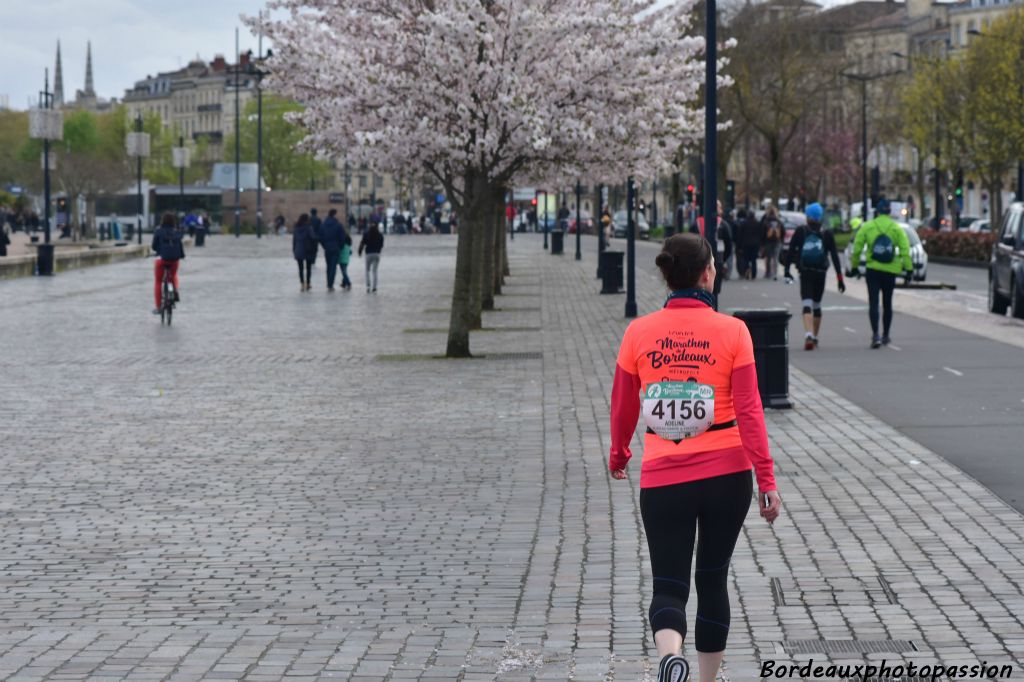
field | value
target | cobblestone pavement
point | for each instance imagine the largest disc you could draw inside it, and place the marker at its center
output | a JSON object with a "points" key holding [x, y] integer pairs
{"points": [[256, 493]]}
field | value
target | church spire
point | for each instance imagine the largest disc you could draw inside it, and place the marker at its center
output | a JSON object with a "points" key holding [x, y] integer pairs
{"points": [[58, 82], [89, 92]]}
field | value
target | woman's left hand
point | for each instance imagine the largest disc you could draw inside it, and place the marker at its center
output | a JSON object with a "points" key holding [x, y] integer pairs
{"points": [[619, 474]]}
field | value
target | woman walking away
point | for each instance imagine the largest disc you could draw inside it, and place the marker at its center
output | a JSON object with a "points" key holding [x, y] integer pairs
{"points": [[373, 244], [690, 372], [304, 246]]}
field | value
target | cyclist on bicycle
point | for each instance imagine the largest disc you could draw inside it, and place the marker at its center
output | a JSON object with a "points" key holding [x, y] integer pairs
{"points": [[169, 249]]}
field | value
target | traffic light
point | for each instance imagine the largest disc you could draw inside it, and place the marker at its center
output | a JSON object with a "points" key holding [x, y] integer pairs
{"points": [[730, 194], [689, 194], [959, 191], [533, 202]]}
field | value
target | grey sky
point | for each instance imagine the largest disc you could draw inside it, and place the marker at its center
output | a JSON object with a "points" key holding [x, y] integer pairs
{"points": [[130, 39]]}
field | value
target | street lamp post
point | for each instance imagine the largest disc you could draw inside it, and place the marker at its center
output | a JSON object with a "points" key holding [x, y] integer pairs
{"points": [[579, 221], [864, 79], [545, 193], [138, 146], [710, 208], [238, 141], [599, 226], [631, 310], [46, 123], [510, 201]]}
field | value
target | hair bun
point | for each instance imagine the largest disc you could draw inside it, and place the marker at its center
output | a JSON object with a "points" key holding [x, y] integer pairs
{"points": [[665, 260]]}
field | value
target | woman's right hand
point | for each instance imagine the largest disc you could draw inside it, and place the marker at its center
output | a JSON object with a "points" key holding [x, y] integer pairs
{"points": [[619, 474], [774, 506]]}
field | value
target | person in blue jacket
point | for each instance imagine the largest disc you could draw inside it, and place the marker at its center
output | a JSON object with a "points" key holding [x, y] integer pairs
{"points": [[332, 238]]}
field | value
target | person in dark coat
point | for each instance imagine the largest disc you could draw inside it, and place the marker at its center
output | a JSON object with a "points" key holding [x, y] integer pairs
{"points": [[750, 235], [372, 243], [332, 237], [304, 246]]}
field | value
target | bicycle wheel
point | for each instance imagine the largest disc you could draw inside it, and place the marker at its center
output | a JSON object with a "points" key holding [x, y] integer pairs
{"points": [[165, 304]]}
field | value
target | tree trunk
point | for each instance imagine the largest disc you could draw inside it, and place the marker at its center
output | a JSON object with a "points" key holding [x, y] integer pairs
{"points": [[491, 253], [498, 270], [775, 161], [920, 185], [461, 318]]}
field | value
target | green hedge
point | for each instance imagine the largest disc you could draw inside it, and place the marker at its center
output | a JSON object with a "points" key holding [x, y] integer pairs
{"points": [[974, 246]]}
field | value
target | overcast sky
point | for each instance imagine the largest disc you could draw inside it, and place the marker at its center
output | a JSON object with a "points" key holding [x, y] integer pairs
{"points": [[130, 40]]}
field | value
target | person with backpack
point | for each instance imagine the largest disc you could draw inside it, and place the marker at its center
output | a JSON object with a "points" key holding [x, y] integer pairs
{"points": [[888, 256], [304, 247], [773, 230], [169, 252], [810, 249], [343, 260]]}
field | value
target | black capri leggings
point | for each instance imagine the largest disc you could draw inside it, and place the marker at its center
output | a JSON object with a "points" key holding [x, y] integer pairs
{"points": [[713, 510], [306, 265]]}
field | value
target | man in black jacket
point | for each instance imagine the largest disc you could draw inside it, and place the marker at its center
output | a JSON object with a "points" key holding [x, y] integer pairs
{"points": [[332, 237], [750, 239]]}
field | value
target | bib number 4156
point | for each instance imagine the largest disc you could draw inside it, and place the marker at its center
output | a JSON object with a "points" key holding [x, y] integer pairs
{"points": [[675, 410], [687, 409]]}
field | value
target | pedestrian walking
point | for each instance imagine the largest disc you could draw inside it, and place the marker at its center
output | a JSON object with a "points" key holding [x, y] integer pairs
{"points": [[372, 243], [5, 235], [332, 237], [888, 255], [314, 221], [343, 260], [750, 240], [690, 372], [279, 224], [810, 248], [773, 231], [724, 241], [304, 247]]}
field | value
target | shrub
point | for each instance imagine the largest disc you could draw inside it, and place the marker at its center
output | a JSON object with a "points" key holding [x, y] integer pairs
{"points": [[974, 246]]}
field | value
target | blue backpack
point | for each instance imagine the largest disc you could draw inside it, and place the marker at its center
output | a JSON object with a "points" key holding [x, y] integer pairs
{"points": [[882, 249], [812, 254]]}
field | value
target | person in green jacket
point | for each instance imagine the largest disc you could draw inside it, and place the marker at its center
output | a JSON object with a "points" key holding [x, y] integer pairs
{"points": [[888, 256]]}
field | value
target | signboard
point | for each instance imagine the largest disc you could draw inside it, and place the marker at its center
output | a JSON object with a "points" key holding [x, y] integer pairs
{"points": [[224, 176], [181, 156], [137, 144], [336, 198], [53, 160], [45, 124]]}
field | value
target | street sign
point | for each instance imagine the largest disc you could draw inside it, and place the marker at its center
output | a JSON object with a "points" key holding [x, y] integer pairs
{"points": [[336, 198], [137, 144], [181, 157], [45, 124]]}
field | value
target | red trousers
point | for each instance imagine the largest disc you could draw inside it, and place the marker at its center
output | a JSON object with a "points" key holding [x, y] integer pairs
{"points": [[172, 267]]}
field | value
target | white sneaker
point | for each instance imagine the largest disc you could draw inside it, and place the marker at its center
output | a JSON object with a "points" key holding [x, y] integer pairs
{"points": [[673, 668]]}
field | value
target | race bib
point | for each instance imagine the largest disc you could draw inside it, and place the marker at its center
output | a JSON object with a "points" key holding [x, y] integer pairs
{"points": [[676, 410]]}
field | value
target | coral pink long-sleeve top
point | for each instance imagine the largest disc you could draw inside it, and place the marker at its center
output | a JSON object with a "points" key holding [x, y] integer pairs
{"points": [[688, 341]]}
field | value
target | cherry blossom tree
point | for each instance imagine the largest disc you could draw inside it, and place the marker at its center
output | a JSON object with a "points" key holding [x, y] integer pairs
{"points": [[484, 94]]}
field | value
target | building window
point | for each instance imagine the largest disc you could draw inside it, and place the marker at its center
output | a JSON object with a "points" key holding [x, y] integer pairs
{"points": [[362, 182], [378, 181]]}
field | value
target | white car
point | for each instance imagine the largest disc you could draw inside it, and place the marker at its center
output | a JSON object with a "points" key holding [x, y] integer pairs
{"points": [[917, 253], [980, 225]]}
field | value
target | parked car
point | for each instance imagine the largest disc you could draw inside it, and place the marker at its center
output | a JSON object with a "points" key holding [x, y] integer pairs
{"points": [[965, 221], [944, 225], [1006, 268], [790, 221], [917, 253], [643, 229], [980, 225], [585, 219]]}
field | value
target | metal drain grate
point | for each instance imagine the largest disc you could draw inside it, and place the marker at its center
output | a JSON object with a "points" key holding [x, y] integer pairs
{"points": [[849, 646], [415, 357], [522, 355], [791, 591]]}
